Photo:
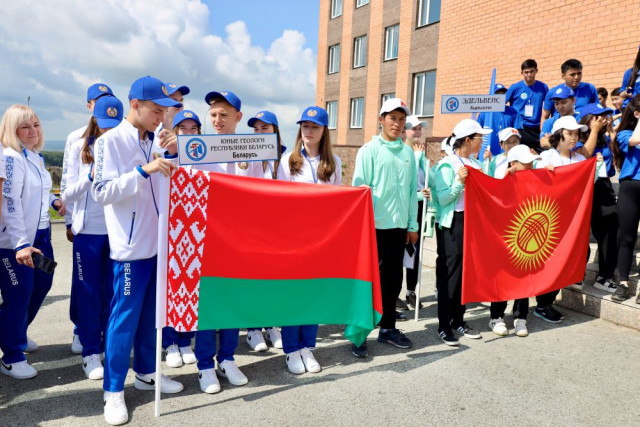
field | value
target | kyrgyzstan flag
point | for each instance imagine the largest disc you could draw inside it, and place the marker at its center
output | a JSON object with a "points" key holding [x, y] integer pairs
{"points": [[245, 252], [526, 234]]}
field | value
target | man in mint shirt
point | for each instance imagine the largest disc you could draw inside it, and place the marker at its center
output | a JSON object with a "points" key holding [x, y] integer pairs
{"points": [[388, 167]]}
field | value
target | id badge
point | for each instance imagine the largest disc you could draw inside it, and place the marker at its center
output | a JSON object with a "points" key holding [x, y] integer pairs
{"points": [[528, 110]]}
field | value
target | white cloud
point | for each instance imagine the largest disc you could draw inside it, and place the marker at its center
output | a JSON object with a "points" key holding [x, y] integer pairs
{"points": [[53, 50]]}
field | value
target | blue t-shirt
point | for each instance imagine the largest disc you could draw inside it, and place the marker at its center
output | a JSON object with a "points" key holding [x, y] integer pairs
{"points": [[496, 122], [607, 156], [519, 96], [586, 93], [625, 84], [548, 124], [631, 165]]}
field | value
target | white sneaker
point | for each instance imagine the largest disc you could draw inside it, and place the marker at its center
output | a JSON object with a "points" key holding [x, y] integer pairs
{"points": [[188, 357], [115, 410], [19, 370], [310, 362], [230, 371], [92, 367], [521, 327], [256, 340], [209, 381], [294, 363], [173, 357], [499, 327], [76, 345], [31, 346], [167, 385], [274, 336]]}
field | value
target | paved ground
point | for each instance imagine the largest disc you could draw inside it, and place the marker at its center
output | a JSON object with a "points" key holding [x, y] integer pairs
{"points": [[580, 372]]}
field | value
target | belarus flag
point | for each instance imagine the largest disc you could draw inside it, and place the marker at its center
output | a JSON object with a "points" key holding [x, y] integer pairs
{"points": [[526, 234], [245, 252]]}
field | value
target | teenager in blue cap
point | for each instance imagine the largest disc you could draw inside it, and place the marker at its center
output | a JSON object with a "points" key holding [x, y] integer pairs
{"points": [[564, 100], [127, 177], [94, 92], [585, 93], [177, 93], [631, 81], [311, 161], [24, 230], [93, 272], [496, 122]]}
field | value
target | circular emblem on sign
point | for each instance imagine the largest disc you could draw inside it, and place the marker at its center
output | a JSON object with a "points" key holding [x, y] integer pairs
{"points": [[165, 91], [312, 113], [243, 165], [196, 149], [523, 95], [532, 235], [188, 115], [259, 115], [112, 111], [103, 88], [452, 104]]}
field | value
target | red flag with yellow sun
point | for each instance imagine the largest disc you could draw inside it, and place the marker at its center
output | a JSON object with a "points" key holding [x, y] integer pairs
{"points": [[527, 234]]}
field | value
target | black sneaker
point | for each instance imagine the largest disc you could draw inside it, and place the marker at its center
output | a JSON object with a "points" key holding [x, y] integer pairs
{"points": [[401, 317], [620, 294], [467, 331], [448, 338], [606, 285], [400, 305], [394, 337], [547, 314], [412, 300], [360, 351], [556, 312]]}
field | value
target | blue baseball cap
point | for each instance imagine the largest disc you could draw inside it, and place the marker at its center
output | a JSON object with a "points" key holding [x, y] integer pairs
{"points": [[317, 115], [108, 112], [595, 109], [498, 86], [562, 92], [172, 88], [97, 90], [264, 116], [230, 97], [185, 115], [151, 89]]}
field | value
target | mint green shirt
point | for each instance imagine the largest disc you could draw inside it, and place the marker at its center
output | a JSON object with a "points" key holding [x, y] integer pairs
{"points": [[389, 168], [448, 190]]}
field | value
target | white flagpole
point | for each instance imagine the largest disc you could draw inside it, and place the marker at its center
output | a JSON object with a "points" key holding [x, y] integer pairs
{"points": [[421, 241], [158, 370]]}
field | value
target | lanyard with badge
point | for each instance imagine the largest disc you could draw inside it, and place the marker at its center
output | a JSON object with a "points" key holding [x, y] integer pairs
{"points": [[313, 171], [528, 107]]}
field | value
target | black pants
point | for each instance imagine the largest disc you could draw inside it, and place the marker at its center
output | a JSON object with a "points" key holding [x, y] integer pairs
{"points": [[531, 137], [391, 245], [450, 308], [520, 309], [628, 216], [604, 226], [412, 273]]}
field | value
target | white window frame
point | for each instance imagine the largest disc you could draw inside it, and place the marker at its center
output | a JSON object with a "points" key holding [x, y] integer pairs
{"points": [[360, 3], [332, 112], [334, 59], [386, 96], [360, 51], [336, 8], [357, 111], [422, 4], [391, 42], [419, 81]]}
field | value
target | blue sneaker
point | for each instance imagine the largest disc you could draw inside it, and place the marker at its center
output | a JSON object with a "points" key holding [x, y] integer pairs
{"points": [[395, 338]]}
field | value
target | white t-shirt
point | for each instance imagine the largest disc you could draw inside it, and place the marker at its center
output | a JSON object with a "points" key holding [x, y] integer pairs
{"points": [[552, 157], [457, 162], [309, 171]]}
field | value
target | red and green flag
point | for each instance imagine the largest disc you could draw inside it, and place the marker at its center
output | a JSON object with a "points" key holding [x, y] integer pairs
{"points": [[526, 234], [245, 252]]}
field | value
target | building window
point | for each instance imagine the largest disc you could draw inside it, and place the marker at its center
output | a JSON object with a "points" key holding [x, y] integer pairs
{"points": [[386, 96], [360, 51], [357, 107], [428, 12], [336, 8], [391, 42], [332, 112], [424, 92], [360, 3], [334, 58]]}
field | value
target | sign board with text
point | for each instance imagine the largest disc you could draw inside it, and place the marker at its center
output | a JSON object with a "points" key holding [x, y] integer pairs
{"points": [[205, 149], [452, 104]]}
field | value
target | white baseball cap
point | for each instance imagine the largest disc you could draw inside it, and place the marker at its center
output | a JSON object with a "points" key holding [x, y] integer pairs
{"points": [[413, 121], [522, 154], [446, 147], [505, 133], [467, 127], [394, 104], [568, 123]]}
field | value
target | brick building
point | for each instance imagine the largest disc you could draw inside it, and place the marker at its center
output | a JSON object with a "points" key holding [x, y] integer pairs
{"points": [[419, 50]]}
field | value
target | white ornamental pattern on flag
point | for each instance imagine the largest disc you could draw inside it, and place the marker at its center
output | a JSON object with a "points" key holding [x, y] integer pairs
{"points": [[187, 225]]}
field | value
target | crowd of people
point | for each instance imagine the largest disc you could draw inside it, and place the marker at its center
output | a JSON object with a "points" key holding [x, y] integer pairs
{"points": [[113, 169]]}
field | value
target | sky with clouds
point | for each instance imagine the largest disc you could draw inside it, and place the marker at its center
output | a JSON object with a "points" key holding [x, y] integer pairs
{"points": [[52, 51]]}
